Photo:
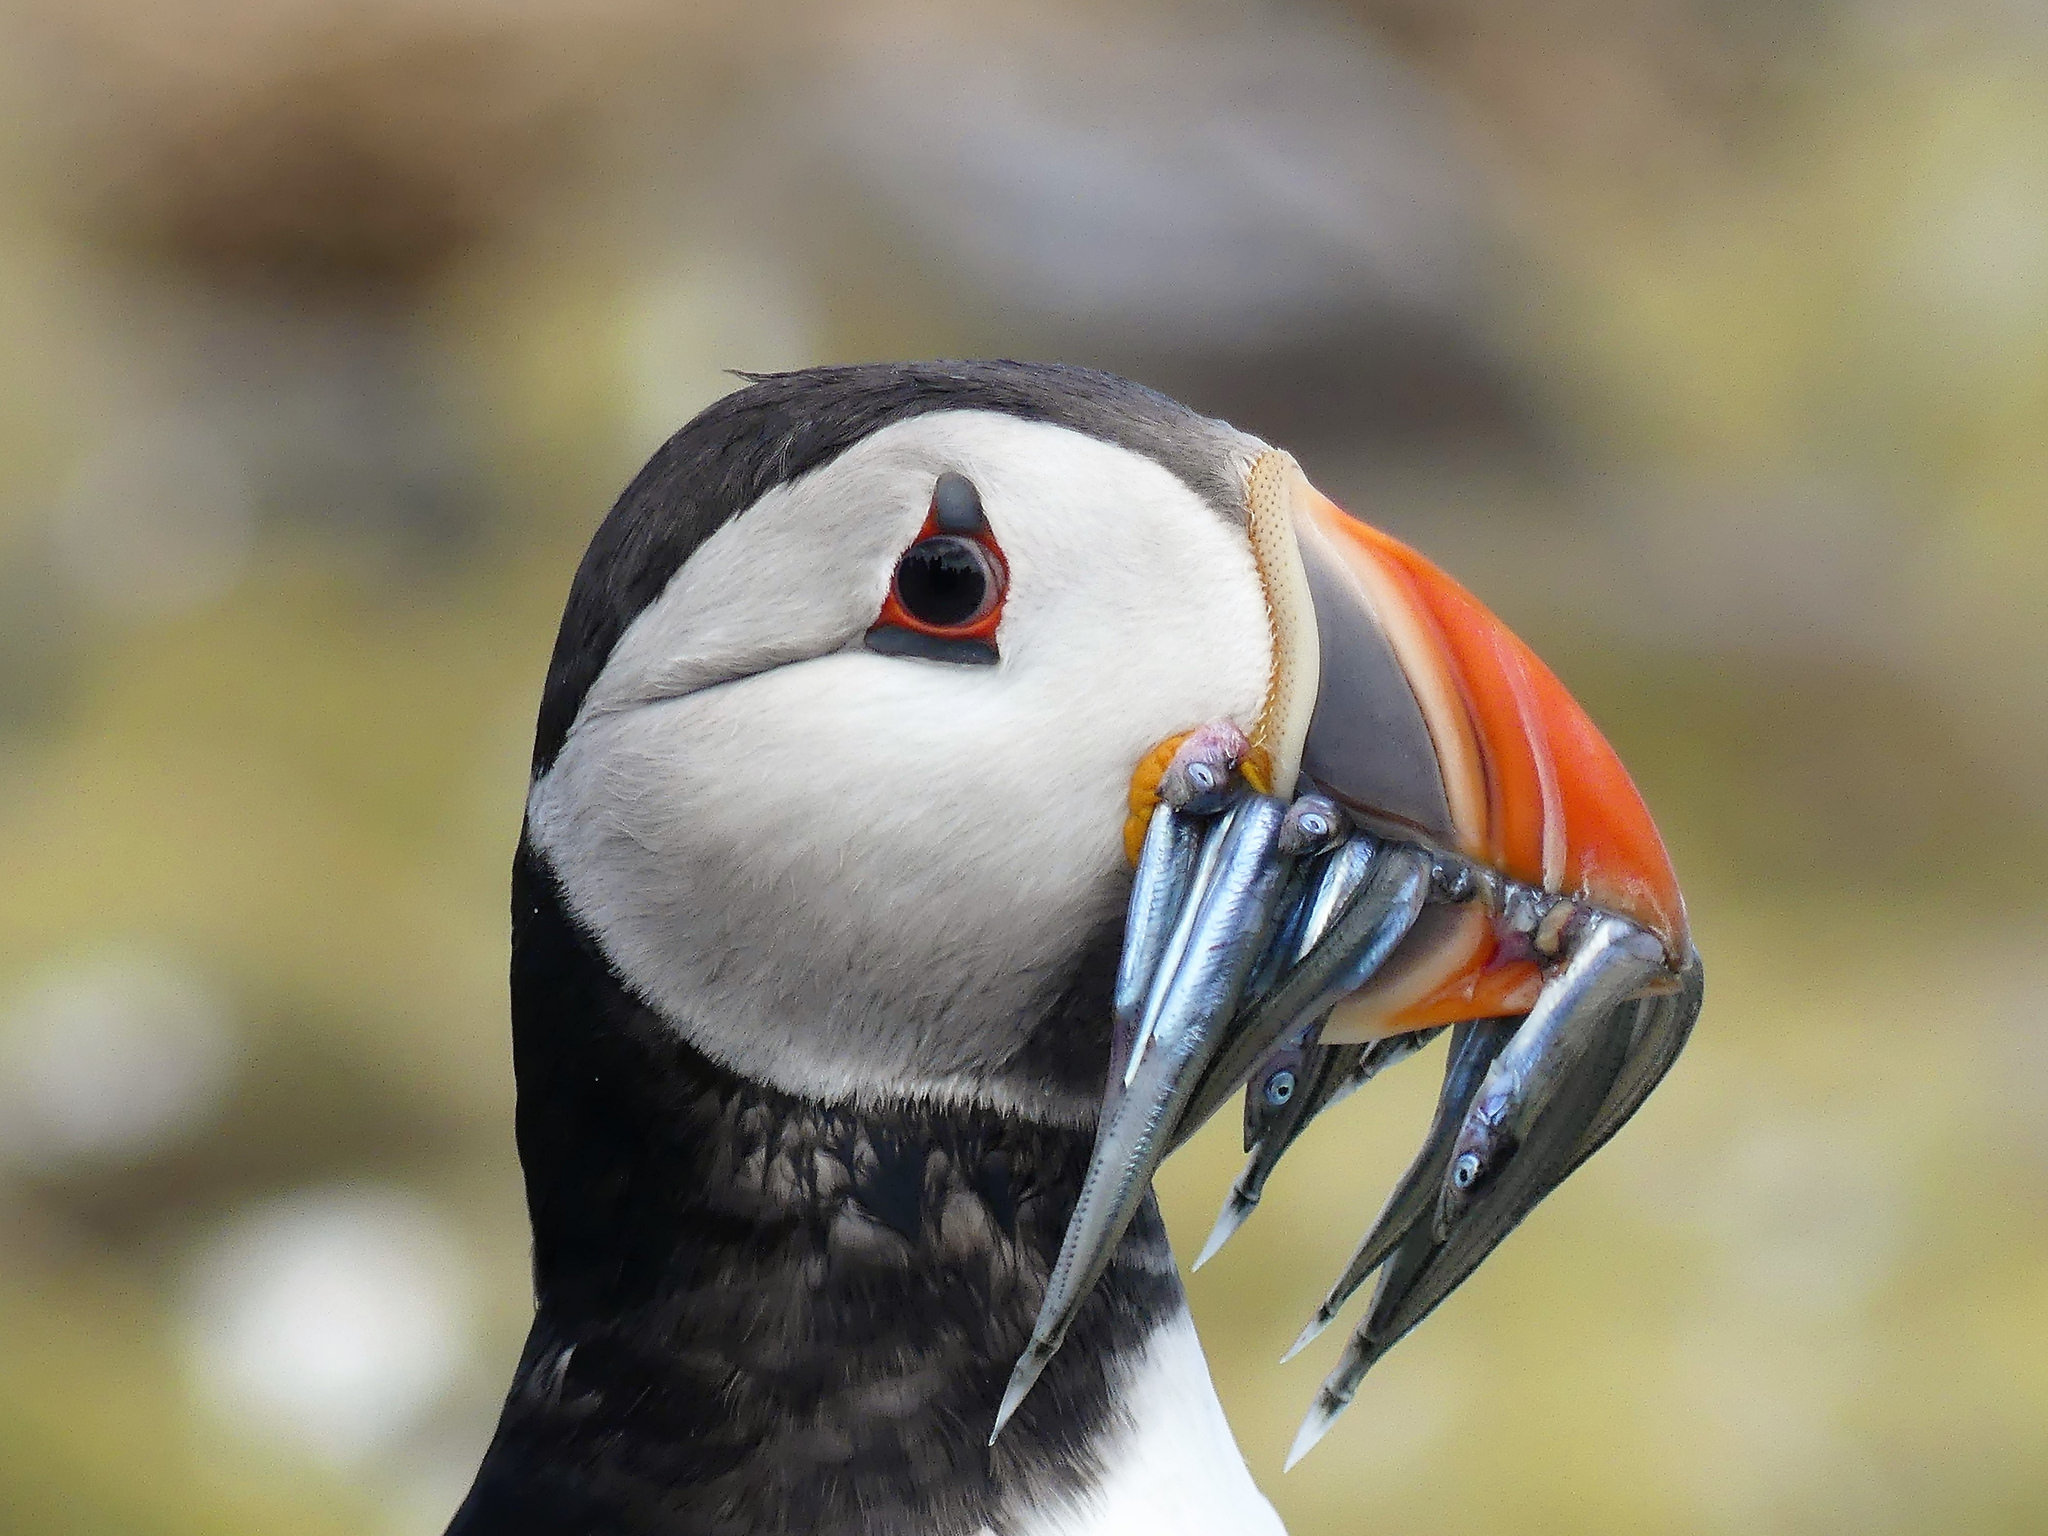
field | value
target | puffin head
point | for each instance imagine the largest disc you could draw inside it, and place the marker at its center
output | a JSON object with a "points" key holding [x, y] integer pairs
{"points": [[1010, 735]]}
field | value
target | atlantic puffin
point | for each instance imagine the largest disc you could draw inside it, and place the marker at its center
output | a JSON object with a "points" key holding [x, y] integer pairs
{"points": [[952, 783]]}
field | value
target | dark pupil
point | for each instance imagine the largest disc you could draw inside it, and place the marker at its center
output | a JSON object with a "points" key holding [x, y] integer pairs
{"points": [[942, 581]]}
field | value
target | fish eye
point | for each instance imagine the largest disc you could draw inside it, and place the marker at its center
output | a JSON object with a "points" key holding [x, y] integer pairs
{"points": [[1465, 1171], [1279, 1088], [947, 582]]}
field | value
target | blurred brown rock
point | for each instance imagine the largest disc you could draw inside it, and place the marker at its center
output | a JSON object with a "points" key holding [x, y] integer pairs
{"points": [[303, 144]]}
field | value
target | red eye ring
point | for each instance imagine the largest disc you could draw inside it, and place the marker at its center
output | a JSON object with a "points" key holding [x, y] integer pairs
{"points": [[948, 586], [946, 594]]}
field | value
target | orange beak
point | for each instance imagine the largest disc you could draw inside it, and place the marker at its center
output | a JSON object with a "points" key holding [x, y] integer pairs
{"points": [[1433, 720]]}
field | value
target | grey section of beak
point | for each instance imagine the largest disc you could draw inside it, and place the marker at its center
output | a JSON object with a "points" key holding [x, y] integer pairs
{"points": [[1225, 925], [1367, 743]]}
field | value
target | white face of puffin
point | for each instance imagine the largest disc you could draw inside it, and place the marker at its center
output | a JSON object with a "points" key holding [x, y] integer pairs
{"points": [[851, 875]]}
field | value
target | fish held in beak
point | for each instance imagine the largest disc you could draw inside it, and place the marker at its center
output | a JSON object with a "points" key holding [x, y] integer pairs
{"points": [[1421, 830]]}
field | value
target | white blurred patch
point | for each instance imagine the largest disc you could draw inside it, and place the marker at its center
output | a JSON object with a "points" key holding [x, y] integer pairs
{"points": [[1169, 1464], [330, 1322], [158, 519], [109, 1059]]}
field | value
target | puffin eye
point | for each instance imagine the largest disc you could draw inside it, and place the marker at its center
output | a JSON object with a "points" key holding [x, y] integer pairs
{"points": [[948, 583], [946, 599]]}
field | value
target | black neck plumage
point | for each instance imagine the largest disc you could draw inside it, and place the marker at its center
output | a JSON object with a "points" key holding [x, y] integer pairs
{"points": [[761, 1314]]}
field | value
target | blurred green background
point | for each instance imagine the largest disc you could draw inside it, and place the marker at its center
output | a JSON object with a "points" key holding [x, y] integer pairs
{"points": [[1706, 339]]}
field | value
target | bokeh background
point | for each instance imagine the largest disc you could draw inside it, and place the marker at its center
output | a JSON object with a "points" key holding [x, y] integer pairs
{"points": [[1706, 339]]}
